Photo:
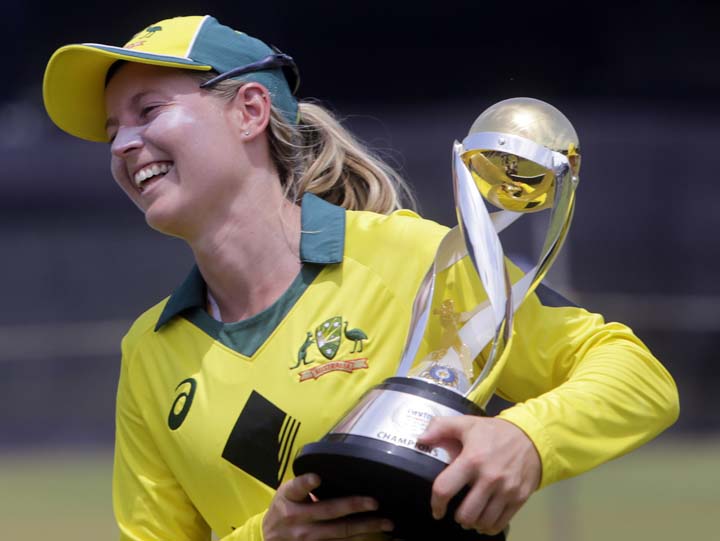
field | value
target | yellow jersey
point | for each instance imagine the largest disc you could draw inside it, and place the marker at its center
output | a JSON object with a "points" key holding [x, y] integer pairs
{"points": [[211, 414]]}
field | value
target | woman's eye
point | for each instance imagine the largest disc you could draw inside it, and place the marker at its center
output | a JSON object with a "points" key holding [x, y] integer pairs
{"points": [[145, 111]]}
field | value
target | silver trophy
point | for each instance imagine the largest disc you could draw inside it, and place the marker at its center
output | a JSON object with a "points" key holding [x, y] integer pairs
{"points": [[521, 155]]}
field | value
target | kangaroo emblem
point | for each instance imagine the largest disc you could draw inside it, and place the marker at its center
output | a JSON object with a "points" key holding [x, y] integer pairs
{"points": [[302, 352]]}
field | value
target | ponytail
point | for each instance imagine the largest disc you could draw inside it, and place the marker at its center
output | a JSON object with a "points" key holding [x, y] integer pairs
{"points": [[318, 155]]}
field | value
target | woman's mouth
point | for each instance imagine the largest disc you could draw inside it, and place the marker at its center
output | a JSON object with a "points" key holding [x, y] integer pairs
{"points": [[150, 174]]}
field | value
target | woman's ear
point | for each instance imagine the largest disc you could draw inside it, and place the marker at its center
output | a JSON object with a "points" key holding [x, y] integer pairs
{"points": [[251, 105]]}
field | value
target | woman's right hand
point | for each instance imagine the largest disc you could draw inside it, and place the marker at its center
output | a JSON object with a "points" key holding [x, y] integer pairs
{"points": [[293, 515]]}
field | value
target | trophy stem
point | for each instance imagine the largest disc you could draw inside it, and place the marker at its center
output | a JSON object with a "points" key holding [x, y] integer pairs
{"points": [[484, 386]]}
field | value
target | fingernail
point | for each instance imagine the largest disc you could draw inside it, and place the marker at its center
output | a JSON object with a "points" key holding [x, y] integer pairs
{"points": [[387, 526], [370, 505]]}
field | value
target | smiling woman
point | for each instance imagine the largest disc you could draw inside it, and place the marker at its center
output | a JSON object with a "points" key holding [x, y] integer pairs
{"points": [[296, 231], [187, 158]]}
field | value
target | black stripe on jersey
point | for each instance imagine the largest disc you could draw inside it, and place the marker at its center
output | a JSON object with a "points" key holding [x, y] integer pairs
{"points": [[261, 441], [553, 299], [287, 440], [283, 438]]}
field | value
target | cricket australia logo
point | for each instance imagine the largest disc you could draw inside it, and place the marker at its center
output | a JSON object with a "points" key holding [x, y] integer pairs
{"points": [[327, 336], [327, 340], [139, 39]]}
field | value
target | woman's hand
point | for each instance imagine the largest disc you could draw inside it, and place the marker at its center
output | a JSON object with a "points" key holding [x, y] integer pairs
{"points": [[294, 515], [494, 458]]}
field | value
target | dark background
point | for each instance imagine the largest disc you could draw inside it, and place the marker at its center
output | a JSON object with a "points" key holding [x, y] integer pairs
{"points": [[639, 81]]}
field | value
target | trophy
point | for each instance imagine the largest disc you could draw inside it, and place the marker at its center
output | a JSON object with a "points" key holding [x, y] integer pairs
{"points": [[521, 155]]}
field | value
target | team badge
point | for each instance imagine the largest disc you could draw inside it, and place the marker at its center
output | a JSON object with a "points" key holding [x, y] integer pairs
{"points": [[328, 335], [327, 340], [142, 36], [148, 32]]}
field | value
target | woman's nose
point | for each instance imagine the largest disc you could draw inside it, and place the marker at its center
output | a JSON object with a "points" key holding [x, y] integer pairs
{"points": [[127, 139]]}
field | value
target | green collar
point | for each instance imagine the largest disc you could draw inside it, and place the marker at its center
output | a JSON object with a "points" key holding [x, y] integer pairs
{"points": [[322, 241]]}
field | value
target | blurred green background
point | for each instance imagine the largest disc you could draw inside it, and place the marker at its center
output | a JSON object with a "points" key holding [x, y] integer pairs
{"points": [[666, 491]]}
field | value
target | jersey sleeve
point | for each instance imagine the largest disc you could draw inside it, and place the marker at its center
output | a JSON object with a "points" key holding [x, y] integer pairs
{"points": [[149, 503], [586, 390]]}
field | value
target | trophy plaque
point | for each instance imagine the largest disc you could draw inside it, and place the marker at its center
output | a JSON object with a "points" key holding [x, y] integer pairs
{"points": [[521, 155]]}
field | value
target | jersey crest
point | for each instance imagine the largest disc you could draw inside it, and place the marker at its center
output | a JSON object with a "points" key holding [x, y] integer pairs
{"points": [[328, 336], [322, 346]]}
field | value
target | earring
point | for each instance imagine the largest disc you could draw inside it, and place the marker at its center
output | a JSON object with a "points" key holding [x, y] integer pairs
{"points": [[247, 133]]}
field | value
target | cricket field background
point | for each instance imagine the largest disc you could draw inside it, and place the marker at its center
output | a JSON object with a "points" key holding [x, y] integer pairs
{"points": [[666, 491]]}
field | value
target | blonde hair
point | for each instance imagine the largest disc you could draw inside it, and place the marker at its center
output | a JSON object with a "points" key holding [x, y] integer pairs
{"points": [[318, 155]]}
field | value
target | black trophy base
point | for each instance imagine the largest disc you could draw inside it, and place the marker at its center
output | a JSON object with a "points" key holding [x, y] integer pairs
{"points": [[399, 478]]}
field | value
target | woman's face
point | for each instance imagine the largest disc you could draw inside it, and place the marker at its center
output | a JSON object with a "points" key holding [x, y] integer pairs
{"points": [[175, 151]]}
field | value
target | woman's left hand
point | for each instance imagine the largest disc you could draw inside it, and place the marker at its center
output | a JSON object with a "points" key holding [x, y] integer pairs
{"points": [[494, 458]]}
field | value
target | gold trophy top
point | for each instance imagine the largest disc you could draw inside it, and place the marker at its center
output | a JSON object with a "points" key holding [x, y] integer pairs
{"points": [[511, 182]]}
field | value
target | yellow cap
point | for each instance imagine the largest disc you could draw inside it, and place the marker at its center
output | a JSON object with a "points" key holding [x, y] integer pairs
{"points": [[75, 77]]}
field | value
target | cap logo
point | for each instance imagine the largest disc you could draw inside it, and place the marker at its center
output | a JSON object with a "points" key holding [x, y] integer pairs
{"points": [[142, 37], [148, 32]]}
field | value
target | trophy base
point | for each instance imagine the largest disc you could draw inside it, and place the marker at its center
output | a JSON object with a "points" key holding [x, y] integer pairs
{"points": [[398, 477]]}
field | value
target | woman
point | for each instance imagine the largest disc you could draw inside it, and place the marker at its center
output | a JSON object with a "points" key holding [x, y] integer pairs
{"points": [[292, 227]]}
